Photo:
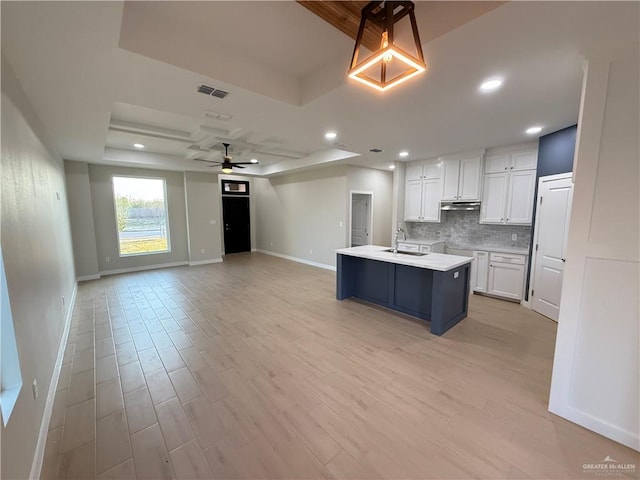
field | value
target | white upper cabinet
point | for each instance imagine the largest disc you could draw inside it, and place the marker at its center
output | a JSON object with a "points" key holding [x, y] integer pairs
{"points": [[414, 171], [496, 163], [413, 201], [509, 183], [494, 198], [423, 192], [461, 178], [520, 200]]}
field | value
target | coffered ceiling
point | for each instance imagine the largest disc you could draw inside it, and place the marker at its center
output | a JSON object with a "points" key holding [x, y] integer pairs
{"points": [[105, 75]]}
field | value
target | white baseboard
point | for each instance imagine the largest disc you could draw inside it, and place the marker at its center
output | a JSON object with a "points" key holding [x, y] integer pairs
{"points": [[299, 260], [141, 269], [205, 262], [85, 278], [38, 456], [606, 429]]}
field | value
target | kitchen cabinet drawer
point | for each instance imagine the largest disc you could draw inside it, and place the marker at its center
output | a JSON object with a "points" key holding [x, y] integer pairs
{"points": [[507, 258]]}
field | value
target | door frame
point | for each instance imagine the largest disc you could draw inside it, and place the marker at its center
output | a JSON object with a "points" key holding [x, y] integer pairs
{"points": [[370, 211], [534, 252]]}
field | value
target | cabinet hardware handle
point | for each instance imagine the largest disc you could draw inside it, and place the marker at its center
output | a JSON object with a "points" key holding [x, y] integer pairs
{"points": [[511, 168], [507, 219], [564, 260], [506, 168], [502, 219]]}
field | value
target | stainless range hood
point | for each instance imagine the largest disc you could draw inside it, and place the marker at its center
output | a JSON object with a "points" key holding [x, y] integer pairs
{"points": [[469, 206]]}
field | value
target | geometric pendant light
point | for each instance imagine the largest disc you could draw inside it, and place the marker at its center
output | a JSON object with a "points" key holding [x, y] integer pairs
{"points": [[390, 65]]}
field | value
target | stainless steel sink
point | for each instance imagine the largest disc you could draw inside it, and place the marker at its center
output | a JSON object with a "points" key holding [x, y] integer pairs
{"points": [[400, 252]]}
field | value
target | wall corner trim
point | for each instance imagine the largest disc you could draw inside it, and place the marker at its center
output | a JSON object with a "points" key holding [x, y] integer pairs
{"points": [[205, 262], [38, 456], [299, 260]]}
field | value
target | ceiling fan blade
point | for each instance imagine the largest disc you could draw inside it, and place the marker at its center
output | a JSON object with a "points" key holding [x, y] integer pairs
{"points": [[208, 161], [244, 163], [236, 165]]}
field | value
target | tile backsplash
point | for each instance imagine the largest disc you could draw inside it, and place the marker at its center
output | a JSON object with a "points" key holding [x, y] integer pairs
{"points": [[461, 229]]}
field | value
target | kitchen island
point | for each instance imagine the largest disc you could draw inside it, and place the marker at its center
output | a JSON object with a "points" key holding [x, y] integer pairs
{"points": [[432, 287]]}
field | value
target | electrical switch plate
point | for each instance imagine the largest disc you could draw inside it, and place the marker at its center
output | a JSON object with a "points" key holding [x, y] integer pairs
{"points": [[34, 386]]}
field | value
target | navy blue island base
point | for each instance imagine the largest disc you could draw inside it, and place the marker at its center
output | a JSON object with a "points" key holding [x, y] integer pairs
{"points": [[442, 297]]}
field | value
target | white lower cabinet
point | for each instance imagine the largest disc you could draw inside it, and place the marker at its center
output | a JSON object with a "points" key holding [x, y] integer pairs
{"points": [[480, 271], [506, 275]]}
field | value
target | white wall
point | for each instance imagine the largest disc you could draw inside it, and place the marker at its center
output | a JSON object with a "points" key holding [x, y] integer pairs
{"points": [[298, 215], [81, 217], [203, 217], [100, 178], [596, 364], [37, 251], [380, 183]]}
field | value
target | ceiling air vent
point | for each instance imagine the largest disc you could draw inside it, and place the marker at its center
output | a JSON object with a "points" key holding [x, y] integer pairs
{"points": [[214, 92], [219, 93]]}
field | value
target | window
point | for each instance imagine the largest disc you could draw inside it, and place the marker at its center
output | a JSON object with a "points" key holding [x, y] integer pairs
{"points": [[141, 215], [10, 377]]}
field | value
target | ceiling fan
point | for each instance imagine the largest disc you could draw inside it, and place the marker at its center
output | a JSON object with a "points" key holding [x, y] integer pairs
{"points": [[227, 164]]}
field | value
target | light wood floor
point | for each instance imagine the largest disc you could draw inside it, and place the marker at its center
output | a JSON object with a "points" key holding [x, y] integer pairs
{"points": [[251, 369]]}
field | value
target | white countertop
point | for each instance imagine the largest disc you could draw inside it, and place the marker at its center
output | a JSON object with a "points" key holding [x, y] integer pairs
{"points": [[430, 261]]}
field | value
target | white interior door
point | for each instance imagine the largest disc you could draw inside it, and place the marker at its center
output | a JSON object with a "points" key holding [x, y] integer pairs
{"points": [[552, 225], [360, 219]]}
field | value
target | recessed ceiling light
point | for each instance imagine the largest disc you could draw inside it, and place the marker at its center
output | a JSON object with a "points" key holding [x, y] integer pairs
{"points": [[491, 85], [253, 160], [404, 153], [330, 135], [533, 130], [392, 166], [138, 145]]}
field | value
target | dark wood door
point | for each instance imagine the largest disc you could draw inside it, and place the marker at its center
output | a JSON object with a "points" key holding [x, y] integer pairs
{"points": [[236, 219]]}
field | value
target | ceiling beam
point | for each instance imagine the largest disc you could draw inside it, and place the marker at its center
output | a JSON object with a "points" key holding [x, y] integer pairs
{"points": [[345, 16]]}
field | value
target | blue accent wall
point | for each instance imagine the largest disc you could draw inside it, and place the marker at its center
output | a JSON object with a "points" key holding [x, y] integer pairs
{"points": [[555, 155], [555, 152]]}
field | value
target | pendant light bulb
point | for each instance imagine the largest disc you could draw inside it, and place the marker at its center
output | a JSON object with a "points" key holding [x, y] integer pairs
{"points": [[384, 44]]}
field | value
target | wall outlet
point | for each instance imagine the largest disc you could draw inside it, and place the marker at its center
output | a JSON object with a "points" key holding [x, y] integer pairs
{"points": [[514, 237], [34, 387], [271, 244], [58, 195], [339, 224], [212, 222], [107, 259], [202, 250]]}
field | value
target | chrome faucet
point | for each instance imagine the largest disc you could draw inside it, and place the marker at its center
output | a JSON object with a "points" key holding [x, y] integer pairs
{"points": [[395, 243]]}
